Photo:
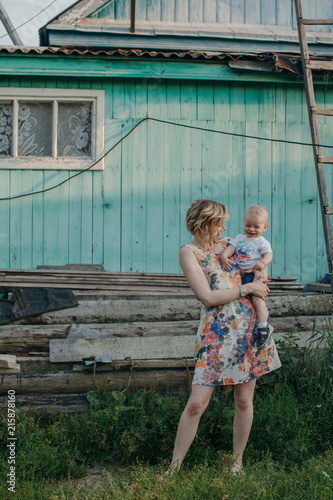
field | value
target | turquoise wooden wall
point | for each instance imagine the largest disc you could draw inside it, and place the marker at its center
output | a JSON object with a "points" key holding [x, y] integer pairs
{"points": [[131, 216], [267, 12]]}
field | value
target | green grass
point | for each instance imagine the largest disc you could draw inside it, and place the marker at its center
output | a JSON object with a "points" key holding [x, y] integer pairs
{"points": [[261, 480], [289, 454]]}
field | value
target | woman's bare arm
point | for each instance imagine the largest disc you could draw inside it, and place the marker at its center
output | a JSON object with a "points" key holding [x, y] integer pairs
{"points": [[200, 286]]}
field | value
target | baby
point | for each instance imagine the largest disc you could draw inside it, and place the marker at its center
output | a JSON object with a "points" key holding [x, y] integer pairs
{"points": [[252, 253]]}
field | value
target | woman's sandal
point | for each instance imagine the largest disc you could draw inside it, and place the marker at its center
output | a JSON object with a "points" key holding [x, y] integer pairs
{"points": [[236, 469], [168, 473]]}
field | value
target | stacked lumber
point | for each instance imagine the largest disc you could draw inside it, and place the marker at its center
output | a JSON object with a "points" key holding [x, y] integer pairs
{"points": [[145, 322], [87, 278]]}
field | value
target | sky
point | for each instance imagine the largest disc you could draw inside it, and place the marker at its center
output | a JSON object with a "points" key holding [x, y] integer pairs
{"points": [[20, 11]]}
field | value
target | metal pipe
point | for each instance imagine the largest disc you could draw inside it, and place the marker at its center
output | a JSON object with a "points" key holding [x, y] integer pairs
{"points": [[132, 27], [9, 26]]}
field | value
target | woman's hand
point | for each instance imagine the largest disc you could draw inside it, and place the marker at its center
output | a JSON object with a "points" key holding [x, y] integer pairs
{"points": [[258, 288]]}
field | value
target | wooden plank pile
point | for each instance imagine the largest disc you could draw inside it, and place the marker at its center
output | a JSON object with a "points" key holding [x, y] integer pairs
{"points": [[81, 277], [148, 330]]}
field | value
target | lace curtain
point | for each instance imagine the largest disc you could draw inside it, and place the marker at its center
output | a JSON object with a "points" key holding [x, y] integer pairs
{"points": [[35, 129], [74, 129], [6, 130]]}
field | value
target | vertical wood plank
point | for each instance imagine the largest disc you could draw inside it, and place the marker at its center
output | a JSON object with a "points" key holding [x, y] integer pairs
{"points": [[206, 162], [188, 100], [251, 165], [236, 178], [205, 101], [237, 102], [252, 11], [38, 220], [27, 221], [51, 220], [267, 12], [141, 98], [139, 207], [284, 13], [266, 103], [223, 11], [265, 173], [309, 206], [293, 195], [75, 220], [155, 167], [220, 162], [181, 11], [122, 9], [127, 206], [112, 189], [196, 184], [153, 10], [4, 219], [62, 219], [171, 182], [129, 98], [209, 14], [140, 10], [278, 214], [118, 98], [173, 100], [87, 217], [252, 103], [222, 101], [237, 14], [98, 220], [167, 10], [156, 94], [15, 220], [196, 11], [280, 103], [185, 183]]}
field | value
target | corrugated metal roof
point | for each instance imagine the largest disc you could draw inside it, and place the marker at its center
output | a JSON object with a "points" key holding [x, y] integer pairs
{"points": [[190, 54], [257, 62]]}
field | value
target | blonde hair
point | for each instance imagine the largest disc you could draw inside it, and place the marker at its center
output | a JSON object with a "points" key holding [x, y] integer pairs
{"points": [[203, 217], [259, 211]]}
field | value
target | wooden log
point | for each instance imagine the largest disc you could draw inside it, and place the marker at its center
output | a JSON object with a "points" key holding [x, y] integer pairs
{"points": [[319, 287], [18, 339], [82, 381], [49, 404], [173, 309], [134, 348]]}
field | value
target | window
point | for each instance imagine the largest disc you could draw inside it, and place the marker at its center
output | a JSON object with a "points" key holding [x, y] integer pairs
{"points": [[51, 128]]}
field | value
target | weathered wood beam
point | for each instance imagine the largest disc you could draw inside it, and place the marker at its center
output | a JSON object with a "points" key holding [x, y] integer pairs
{"points": [[82, 381], [43, 65]]}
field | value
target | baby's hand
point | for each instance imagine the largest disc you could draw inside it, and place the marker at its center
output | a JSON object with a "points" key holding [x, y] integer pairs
{"points": [[225, 262], [259, 266]]}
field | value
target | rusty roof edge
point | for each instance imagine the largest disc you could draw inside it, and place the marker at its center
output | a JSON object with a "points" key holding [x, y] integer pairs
{"points": [[191, 54]]}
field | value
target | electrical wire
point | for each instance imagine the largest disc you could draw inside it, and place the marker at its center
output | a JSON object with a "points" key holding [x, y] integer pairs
{"points": [[285, 141], [78, 173], [28, 21]]}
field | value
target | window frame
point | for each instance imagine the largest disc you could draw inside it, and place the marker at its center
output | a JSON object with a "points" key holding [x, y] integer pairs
{"points": [[96, 97]]}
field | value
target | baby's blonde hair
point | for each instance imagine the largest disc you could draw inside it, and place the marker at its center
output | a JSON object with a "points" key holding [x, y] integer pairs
{"points": [[259, 211], [203, 217]]}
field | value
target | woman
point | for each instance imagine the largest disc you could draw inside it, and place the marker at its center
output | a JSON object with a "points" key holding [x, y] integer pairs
{"points": [[226, 350]]}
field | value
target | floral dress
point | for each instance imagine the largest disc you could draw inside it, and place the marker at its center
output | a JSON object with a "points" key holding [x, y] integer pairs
{"points": [[224, 354]]}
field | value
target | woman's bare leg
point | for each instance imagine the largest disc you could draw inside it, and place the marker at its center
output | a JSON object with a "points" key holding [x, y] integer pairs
{"points": [[243, 395], [189, 421]]}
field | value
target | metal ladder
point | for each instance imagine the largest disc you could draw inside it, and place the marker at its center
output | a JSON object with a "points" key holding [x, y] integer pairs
{"points": [[308, 66]]}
